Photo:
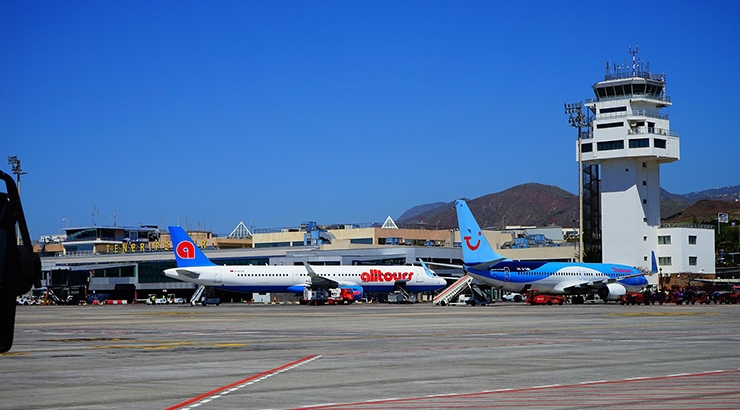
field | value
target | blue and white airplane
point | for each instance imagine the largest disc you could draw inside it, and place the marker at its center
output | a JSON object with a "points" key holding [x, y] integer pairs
{"points": [[607, 280], [193, 266]]}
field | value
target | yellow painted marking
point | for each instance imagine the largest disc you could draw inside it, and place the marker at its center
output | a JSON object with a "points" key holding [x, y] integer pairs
{"points": [[662, 314]]}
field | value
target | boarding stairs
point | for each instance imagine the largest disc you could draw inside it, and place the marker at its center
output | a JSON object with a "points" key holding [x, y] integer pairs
{"points": [[453, 291], [196, 296], [401, 295]]}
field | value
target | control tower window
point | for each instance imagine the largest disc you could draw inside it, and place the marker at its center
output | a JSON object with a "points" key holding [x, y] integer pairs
{"points": [[659, 143], [640, 143], [610, 125], [612, 109], [610, 145]]}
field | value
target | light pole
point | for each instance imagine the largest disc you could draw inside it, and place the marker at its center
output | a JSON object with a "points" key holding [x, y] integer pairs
{"points": [[15, 163], [578, 120]]}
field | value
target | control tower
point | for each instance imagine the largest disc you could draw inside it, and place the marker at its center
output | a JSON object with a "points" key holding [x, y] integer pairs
{"points": [[629, 138]]}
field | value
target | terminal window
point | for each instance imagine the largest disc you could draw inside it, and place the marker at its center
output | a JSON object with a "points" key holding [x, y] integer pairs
{"points": [[692, 260], [664, 240], [692, 239], [664, 261]]}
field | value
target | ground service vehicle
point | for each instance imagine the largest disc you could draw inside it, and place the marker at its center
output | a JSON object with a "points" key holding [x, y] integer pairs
{"points": [[632, 298], [514, 297], [331, 296], [544, 299]]}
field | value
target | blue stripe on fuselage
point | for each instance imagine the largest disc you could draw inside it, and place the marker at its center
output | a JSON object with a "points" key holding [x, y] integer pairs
{"points": [[529, 272], [298, 289]]}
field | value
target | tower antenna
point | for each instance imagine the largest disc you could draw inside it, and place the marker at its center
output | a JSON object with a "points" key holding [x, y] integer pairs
{"points": [[634, 63]]}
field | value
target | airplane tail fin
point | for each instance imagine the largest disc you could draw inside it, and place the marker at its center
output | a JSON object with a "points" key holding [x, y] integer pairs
{"points": [[475, 246], [654, 264], [187, 253]]}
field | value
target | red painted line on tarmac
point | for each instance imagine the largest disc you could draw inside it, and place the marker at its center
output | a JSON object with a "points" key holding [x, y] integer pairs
{"points": [[228, 386], [507, 391]]}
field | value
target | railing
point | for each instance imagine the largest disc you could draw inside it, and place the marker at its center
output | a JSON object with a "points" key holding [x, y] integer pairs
{"points": [[618, 75], [636, 113], [685, 225], [663, 98], [651, 130]]}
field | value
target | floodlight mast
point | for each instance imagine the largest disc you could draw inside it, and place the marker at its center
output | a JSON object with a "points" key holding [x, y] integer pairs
{"points": [[15, 163], [578, 120]]}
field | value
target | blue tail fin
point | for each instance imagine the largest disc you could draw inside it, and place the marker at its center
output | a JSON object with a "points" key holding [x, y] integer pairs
{"points": [[475, 246], [187, 253], [654, 266]]}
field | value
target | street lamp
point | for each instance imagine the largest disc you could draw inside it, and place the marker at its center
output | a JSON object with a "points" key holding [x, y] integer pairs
{"points": [[578, 120]]}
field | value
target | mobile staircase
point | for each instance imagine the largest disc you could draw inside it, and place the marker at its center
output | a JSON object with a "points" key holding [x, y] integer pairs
{"points": [[196, 296], [453, 291], [401, 295]]}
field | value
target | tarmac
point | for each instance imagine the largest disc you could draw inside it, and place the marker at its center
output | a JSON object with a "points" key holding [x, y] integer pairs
{"points": [[373, 356]]}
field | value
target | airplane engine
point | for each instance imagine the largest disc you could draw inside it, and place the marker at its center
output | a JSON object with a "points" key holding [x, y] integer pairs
{"points": [[612, 291]]}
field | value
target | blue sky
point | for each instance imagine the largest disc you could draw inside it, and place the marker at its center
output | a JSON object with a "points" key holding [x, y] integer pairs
{"points": [[278, 112]]}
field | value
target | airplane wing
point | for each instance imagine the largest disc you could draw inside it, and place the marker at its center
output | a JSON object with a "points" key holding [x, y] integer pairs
{"points": [[590, 286], [478, 266], [188, 273], [446, 265], [317, 280], [487, 265]]}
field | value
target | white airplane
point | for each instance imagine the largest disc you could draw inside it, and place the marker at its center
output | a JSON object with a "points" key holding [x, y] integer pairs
{"points": [[193, 266], [607, 280]]}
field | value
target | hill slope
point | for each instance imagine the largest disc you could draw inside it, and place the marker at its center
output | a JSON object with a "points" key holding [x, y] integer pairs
{"points": [[527, 204], [538, 204]]}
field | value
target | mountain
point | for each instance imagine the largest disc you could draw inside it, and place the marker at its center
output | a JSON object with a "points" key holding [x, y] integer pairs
{"points": [[538, 204], [705, 211], [416, 212], [671, 204], [527, 204]]}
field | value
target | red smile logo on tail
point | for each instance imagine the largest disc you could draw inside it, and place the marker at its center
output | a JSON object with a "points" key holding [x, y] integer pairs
{"points": [[185, 250], [467, 242]]}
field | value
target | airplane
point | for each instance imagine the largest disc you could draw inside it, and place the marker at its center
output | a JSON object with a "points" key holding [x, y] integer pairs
{"points": [[609, 281], [193, 266]]}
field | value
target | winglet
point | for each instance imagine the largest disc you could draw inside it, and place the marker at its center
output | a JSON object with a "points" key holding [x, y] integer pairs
{"points": [[309, 269], [654, 266], [428, 271], [187, 253]]}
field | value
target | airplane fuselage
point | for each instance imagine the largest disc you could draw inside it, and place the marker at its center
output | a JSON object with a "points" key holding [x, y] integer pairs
{"points": [[293, 279], [559, 277]]}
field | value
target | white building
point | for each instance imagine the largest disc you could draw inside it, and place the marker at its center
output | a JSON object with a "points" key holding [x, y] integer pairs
{"points": [[629, 139]]}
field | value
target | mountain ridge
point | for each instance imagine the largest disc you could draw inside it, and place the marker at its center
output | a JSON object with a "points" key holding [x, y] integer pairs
{"points": [[540, 205]]}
